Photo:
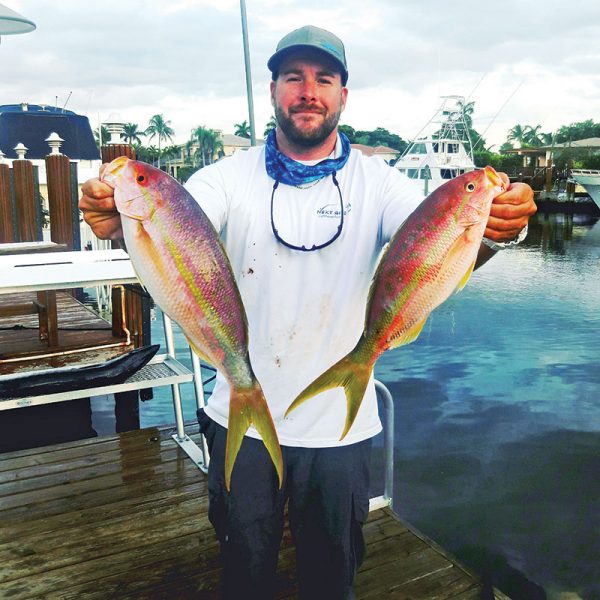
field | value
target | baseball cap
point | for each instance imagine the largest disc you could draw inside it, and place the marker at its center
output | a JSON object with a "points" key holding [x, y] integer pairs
{"points": [[310, 36]]}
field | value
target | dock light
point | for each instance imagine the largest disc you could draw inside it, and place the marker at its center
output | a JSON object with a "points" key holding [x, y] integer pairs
{"points": [[55, 142], [115, 127], [12, 23], [21, 150]]}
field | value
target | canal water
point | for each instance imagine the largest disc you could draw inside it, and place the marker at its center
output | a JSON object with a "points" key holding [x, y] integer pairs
{"points": [[497, 416]]}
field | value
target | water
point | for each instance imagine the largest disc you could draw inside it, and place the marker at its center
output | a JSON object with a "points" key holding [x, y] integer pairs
{"points": [[497, 421]]}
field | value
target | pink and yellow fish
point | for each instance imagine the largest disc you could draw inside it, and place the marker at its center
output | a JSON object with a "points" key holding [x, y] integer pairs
{"points": [[431, 256], [178, 256]]}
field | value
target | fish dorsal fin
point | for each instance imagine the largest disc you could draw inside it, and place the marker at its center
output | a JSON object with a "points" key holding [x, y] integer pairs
{"points": [[409, 336]]}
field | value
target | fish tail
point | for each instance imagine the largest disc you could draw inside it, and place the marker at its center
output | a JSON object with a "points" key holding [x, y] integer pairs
{"points": [[352, 373], [247, 407]]}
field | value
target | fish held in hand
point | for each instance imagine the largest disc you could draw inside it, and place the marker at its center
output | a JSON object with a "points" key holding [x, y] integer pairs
{"points": [[431, 256], [178, 256]]}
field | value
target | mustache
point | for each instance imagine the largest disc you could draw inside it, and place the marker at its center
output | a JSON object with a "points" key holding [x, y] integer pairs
{"points": [[307, 108]]}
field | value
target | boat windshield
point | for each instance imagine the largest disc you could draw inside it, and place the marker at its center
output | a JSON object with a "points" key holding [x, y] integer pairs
{"points": [[418, 149]]}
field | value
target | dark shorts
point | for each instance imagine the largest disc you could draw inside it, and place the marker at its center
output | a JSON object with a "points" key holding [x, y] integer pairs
{"points": [[327, 491]]}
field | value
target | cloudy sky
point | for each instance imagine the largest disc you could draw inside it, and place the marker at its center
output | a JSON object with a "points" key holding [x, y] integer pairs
{"points": [[527, 62]]}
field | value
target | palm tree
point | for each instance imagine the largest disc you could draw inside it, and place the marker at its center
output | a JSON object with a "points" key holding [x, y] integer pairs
{"points": [[464, 112], [131, 133], [272, 124], [531, 135], [209, 143], [101, 136], [242, 129], [517, 134], [158, 127]]}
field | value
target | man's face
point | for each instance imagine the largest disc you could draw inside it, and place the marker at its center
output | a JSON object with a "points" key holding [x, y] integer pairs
{"points": [[308, 97]]}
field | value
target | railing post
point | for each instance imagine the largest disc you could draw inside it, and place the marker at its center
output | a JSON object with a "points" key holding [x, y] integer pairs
{"points": [[7, 209], [27, 210], [64, 215]]}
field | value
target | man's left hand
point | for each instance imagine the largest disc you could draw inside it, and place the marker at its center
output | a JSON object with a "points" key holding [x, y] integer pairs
{"points": [[510, 211]]}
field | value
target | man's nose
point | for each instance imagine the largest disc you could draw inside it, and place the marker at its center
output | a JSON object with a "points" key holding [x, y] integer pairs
{"points": [[308, 91]]}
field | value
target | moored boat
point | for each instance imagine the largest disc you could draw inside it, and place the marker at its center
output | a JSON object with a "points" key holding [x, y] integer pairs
{"points": [[589, 179], [443, 152]]}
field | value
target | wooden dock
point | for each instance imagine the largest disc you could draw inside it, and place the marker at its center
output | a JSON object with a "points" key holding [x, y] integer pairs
{"points": [[83, 336], [126, 517]]}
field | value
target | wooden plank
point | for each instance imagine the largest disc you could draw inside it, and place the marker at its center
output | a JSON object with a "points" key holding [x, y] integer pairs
{"points": [[85, 336], [142, 531], [91, 515]]}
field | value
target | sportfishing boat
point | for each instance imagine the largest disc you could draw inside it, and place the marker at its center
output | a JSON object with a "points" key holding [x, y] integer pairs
{"points": [[589, 179], [25, 130], [442, 150]]}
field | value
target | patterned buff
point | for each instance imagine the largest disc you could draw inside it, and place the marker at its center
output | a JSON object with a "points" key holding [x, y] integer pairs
{"points": [[286, 170]]}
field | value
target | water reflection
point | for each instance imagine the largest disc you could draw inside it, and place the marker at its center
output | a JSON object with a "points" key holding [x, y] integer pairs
{"points": [[498, 417]]}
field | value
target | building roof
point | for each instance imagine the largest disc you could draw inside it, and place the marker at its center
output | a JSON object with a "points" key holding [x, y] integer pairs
{"points": [[229, 139], [374, 150], [586, 143], [32, 124]]}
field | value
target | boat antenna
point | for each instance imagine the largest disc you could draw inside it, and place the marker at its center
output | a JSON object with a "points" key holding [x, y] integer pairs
{"points": [[499, 111], [66, 101]]}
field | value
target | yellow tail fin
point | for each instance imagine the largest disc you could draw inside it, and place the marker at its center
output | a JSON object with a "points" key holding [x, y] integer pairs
{"points": [[249, 407], [351, 374]]}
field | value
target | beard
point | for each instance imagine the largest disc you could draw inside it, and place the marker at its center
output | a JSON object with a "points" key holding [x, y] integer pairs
{"points": [[306, 137]]}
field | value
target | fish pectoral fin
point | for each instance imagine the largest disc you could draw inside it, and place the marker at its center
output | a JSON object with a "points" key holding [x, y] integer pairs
{"points": [[409, 336], [452, 257], [465, 278]]}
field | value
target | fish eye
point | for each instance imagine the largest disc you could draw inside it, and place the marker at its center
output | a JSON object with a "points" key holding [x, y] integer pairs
{"points": [[141, 178], [470, 187]]}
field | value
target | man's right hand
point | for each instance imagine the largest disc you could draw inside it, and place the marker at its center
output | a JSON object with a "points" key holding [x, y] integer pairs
{"points": [[97, 203]]}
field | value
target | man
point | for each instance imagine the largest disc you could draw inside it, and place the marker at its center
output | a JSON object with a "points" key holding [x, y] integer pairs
{"points": [[303, 220]]}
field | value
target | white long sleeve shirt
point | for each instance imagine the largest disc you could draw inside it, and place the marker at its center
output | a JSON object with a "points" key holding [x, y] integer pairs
{"points": [[305, 310]]}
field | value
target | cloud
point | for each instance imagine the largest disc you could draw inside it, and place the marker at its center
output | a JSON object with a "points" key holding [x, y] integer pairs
{"points": [[185, 59]]}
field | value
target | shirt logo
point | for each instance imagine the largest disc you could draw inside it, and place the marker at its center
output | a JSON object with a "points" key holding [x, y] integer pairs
{"points": [[332, 211]]}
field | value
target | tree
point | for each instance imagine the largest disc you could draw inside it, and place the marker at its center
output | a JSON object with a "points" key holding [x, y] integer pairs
{"points": [[349, 132], [209, 144], [464, 112], [131, 134], [531, 136], [242, 129], [271, 124], [517, 134], [102, 134], [158, 127], [577, 131]]}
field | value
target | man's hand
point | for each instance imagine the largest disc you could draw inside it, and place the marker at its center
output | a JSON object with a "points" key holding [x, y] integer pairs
{"points": [[510, 211], [99, 211]]}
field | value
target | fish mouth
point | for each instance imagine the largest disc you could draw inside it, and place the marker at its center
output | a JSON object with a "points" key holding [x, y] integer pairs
{"points": [[494, 178], [109, 175]]}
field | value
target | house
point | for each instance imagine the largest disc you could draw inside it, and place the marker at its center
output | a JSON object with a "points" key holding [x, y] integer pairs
{"points": [[388, 154], [187, 154]]}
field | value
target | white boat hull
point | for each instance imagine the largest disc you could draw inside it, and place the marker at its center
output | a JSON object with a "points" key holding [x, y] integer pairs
{"points": [[590, 181]]}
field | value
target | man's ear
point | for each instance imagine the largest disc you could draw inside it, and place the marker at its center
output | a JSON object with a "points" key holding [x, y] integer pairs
{"points": [[273, 86]]}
